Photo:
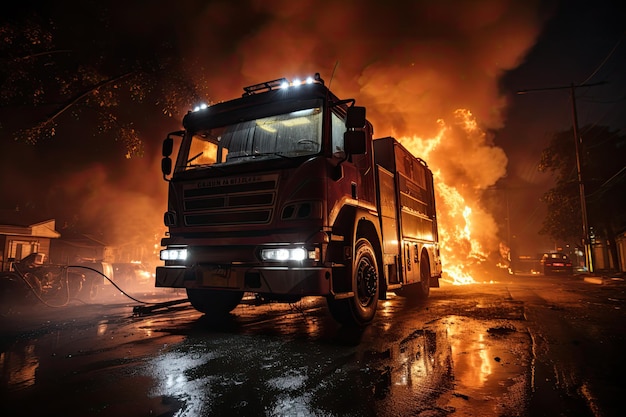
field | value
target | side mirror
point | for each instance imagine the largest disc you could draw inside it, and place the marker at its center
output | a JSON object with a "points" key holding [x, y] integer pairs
{"points": [[355, 117], [354, 142], [166, 166], [168, 147]]}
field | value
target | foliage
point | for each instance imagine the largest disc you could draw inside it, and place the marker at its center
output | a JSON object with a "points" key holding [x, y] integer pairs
{"points": [[49, 80], [603, 152]]}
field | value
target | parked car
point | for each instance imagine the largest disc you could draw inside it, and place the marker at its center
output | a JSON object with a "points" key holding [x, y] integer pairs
{"points": [[97, 275], [131, 274], [556, 263]]}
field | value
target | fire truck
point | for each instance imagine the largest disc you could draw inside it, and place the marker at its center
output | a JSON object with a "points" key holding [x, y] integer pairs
{"points": [[284, 193]]}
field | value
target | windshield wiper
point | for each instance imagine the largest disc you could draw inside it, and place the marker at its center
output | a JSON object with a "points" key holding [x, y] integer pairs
{"points": [[189, 161], [271, 154]]}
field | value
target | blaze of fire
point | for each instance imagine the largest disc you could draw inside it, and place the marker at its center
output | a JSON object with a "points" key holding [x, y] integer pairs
{"points": [[455, 231], [457, 219]]}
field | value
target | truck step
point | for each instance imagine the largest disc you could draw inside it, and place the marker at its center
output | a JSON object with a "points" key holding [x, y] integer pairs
{"points": [[342, 295]]}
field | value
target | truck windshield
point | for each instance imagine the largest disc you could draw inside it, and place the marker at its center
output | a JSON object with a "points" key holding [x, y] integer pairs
{"points": [[288, 135]]}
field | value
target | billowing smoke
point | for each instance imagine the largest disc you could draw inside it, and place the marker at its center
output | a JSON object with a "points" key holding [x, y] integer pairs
{"points": [[427, 71], [410, 62], [121, 207]]}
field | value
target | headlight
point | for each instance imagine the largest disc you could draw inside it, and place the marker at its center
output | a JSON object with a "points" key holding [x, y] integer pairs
{"points": [[174, 254], [289, 254]]}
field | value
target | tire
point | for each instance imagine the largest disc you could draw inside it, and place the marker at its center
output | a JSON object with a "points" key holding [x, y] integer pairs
{"points": [[419, 290], [214, 302], [360, 309]]}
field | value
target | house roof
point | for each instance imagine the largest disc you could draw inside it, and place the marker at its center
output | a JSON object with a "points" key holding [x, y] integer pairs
{"points": [[42, 229], [18, 223], [26, 223]]}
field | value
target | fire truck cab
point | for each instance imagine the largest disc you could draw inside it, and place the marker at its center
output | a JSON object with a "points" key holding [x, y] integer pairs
{"points": [[284, 193]]}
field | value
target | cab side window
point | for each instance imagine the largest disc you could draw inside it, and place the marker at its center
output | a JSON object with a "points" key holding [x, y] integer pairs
{"points": [[338, 129]]}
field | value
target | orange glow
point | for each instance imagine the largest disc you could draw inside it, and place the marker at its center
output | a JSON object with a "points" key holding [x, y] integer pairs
{"points": [[417, 70], [19, 368], [463, 163], [472, 358]]}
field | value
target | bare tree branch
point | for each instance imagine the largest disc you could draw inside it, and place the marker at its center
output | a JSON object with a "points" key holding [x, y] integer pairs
{"points": [[58, 51], [78, 98]]}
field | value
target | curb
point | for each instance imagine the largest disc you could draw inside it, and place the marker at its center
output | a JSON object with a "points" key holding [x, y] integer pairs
{"points": [[603, 280], [594, 280]]}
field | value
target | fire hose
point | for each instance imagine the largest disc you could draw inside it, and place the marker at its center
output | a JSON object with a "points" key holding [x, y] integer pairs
{"points": [[137, 310]]}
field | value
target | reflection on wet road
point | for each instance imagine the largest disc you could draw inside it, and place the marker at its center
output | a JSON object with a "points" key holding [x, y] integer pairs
{"points": [[466, 351], [443, 366]]}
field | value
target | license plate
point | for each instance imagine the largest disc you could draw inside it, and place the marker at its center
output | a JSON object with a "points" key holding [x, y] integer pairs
{"points": [[215, 276]]}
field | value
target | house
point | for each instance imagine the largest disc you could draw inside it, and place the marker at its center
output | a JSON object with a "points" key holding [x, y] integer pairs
{"points": [[21, 236]]}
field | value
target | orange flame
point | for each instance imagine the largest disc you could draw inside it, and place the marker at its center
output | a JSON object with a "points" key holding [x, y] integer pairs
{"points": [[465, 229]]}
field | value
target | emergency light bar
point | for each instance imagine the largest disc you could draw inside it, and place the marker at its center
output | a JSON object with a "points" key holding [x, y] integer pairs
{"points": [[200, 107], [272, 85], [281, 83]]}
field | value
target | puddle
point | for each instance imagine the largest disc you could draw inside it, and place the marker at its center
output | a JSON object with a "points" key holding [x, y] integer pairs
{"points": [[491, 363]]}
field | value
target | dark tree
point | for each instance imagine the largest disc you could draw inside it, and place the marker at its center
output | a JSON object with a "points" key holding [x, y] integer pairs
{"points": [[603, 155], [88, 84], [80, 71]]}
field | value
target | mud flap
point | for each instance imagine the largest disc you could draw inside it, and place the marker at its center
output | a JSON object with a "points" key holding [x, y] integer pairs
{"points": [[434, 281]]}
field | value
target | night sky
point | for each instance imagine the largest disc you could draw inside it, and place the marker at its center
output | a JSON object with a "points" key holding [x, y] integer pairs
{"points": [[583, 43], [411, 63]]}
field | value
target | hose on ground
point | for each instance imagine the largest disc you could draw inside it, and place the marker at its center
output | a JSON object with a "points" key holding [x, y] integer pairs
{"points": [[23, 276]]}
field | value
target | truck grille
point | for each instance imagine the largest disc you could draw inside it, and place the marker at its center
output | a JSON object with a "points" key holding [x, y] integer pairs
{"points": [[228, 201]]}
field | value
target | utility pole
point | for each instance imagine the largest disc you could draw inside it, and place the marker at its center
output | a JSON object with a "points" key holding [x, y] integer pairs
{"points": [[586, 241], [581, 185]]}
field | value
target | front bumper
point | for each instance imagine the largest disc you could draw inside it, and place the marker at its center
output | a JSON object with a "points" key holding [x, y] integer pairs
{"points": [[286, 280]]}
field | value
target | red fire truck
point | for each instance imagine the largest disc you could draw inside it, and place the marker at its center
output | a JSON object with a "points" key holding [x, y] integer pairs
{"points": [[284, 193]]}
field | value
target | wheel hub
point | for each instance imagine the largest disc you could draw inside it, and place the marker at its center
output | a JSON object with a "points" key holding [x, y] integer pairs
{"points": [[367, 280]]}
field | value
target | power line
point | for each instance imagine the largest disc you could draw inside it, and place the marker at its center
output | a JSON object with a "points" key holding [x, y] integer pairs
{"points": [[605, 59], [577, 143], [561, 87]]}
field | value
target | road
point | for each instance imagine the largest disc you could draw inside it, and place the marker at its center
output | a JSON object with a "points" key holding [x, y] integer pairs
{"points": [[515, 346]]}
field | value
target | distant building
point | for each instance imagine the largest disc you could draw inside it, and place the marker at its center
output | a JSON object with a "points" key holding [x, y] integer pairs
{"points": [[74, 248], [22, 233], [19, 237]]}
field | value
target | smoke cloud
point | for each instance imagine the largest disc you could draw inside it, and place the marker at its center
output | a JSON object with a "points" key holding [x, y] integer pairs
{"points": [[411, 63], [121, 207], [427, 71]]}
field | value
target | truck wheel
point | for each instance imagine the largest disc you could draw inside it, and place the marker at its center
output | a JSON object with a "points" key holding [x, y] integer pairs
{"points": [[360, 309], [214, 302]]}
